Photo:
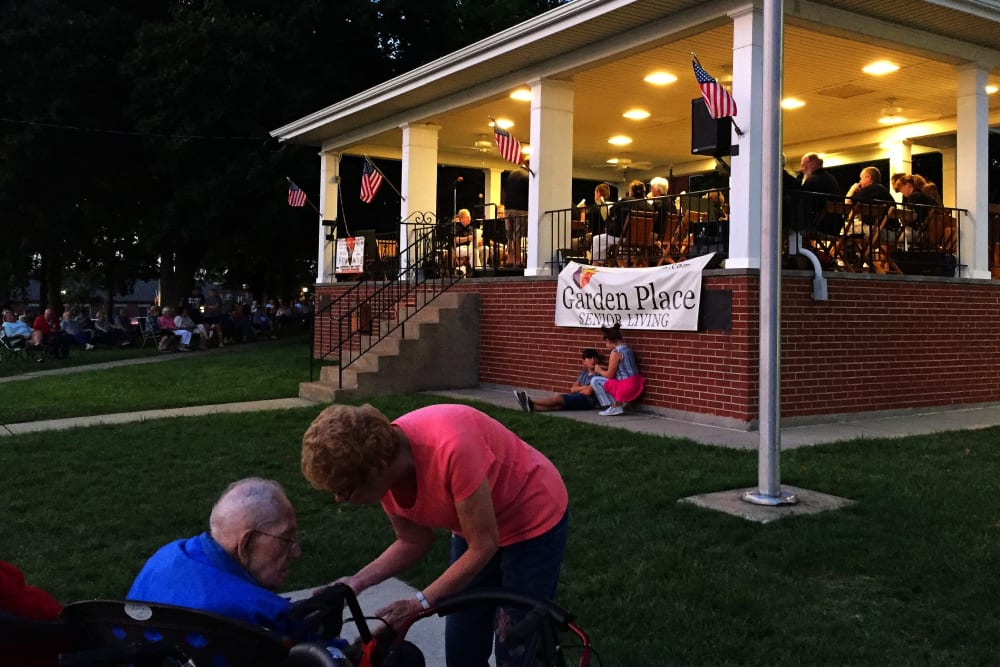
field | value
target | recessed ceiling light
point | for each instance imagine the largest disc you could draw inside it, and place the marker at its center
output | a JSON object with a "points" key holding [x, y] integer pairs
{"points": [[636, 114], [660, 78], [792, 103], [620, 140], [990, 89], [502, 122], [880, 67], [521, 95], [613, 160]]}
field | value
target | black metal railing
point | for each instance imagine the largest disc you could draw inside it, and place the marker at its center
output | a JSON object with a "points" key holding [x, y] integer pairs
{"points": [[643, 232], [383, 300], [875, 237]]}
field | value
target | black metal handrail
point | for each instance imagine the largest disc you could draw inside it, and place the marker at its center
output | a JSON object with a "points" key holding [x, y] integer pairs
{"points": [[683, 226], [381, 302], [877, 236]]}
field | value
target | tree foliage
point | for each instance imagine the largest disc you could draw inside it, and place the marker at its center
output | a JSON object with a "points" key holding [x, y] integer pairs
{"points": [[135, 142]]}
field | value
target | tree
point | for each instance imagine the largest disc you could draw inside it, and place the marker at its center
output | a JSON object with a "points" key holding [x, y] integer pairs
{"points": [[137, 143]]}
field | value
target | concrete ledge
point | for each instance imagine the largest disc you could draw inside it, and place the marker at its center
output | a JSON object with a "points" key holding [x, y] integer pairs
{"points": [[731, 502]]}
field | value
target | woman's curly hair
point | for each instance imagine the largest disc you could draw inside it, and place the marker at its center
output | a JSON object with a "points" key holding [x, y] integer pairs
{"points": [[346, 444]]}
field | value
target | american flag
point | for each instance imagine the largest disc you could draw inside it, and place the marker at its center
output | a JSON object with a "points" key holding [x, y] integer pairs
{"points": [[296, 196], [371, 181], [507, 144], [717, 99]]}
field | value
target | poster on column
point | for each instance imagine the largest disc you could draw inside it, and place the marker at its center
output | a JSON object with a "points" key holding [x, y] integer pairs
{"points": [[351, 254], [657, 298]]}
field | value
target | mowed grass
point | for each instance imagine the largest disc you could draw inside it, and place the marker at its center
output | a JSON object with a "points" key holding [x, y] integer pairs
{"points": [[906, 575], [255, 371]]}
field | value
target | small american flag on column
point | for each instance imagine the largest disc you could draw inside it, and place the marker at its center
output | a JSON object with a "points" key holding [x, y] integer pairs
{"points": [[507, 144], [371, 181], [296, 196], [717, 99]]}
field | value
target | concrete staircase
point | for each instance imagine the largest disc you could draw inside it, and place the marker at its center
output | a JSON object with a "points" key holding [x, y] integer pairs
{"points": [[440, 351]]}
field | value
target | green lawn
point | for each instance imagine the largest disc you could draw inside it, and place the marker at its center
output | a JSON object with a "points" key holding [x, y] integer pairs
{"points": [[907, 575], [254, 371]]}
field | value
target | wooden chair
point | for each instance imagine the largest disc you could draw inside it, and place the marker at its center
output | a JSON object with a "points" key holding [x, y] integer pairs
{"points": [[676, 239], [638, 245], [942, 231], [827, 232], [874, 248]]}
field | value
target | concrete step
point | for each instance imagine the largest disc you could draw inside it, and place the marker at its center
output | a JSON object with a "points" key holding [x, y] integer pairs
{"points": [[424, 359]]}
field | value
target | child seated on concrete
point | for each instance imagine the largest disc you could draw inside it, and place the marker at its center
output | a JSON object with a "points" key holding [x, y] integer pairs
{"points": [[581, 394]]}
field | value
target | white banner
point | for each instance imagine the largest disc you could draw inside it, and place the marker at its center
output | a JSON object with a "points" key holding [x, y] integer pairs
{"points": [[663, 297]]}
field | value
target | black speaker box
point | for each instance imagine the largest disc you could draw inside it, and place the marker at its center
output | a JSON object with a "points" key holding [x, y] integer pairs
{"points": [[709, 136]]}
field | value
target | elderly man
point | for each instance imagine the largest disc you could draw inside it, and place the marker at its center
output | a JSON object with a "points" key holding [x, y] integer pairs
{"points": [[234, 568]]}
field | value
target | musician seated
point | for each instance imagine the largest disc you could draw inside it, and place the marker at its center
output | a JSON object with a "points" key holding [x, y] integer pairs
{"points": [[465, 242]]}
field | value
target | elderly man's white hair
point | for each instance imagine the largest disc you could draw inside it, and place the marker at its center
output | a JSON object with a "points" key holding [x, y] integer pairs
{"points": [[660, 184], [252, 503]]}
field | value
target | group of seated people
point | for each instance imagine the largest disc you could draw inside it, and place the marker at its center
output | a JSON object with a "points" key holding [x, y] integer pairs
{"points": [[605, 223], [49, 335], [203, 322], [806, 206]]}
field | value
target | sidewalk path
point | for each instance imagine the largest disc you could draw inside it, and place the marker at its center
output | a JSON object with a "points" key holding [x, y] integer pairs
{"points": [[143, 415]]}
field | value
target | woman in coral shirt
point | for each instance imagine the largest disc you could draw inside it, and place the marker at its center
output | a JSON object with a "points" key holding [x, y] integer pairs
{"points": [[452, 467]]}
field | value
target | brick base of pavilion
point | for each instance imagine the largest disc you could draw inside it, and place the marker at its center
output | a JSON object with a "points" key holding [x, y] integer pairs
{"points": [[879, 344]]}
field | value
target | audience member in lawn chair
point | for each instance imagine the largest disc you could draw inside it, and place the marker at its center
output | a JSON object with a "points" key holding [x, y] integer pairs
{"points": [[167, 326], [18, 333], [183, 321], [106, 333], [55, 340]]}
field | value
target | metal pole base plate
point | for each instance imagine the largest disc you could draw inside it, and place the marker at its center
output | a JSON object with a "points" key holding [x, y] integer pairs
{"points": [[758, 498]]}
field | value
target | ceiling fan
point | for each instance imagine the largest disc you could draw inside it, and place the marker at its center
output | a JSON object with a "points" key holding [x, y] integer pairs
{"points": [[483, 143], [625, 164]]}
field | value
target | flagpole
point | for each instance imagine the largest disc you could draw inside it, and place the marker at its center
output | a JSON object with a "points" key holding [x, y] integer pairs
{"points": [[307, 198], [384, 177]]}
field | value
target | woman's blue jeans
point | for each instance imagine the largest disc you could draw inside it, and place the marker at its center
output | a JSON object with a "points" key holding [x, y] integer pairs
{"points": [[531, 568]]}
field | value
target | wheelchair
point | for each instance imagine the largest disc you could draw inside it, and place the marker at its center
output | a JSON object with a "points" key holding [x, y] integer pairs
{"points": [[104, 633]]}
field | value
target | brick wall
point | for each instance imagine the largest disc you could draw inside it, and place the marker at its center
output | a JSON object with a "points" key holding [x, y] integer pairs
{"points": [[879, 343]]}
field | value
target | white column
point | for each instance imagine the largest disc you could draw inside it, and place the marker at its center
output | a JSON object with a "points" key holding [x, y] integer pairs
{"points": [[491, 191], [551, 188], [329, 204], [900, 162], [745, 178], [972, 170], [419, 178]]}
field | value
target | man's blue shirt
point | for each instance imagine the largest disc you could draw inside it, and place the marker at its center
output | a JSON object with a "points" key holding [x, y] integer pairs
{"points": [[199, 574]]}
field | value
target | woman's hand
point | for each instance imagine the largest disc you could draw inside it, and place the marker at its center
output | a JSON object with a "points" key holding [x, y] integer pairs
{"points": [[396, 613]]}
